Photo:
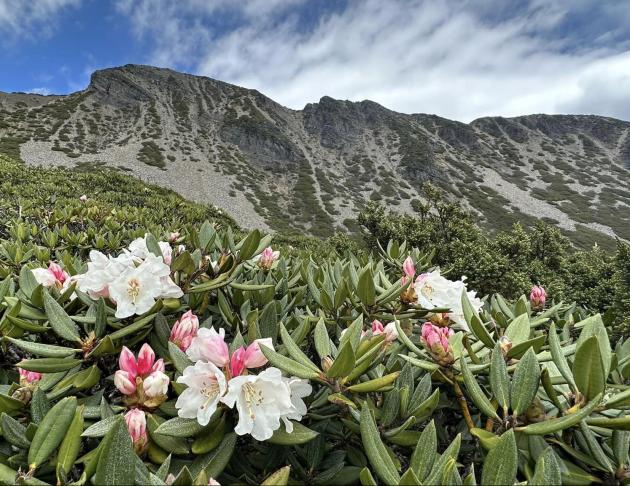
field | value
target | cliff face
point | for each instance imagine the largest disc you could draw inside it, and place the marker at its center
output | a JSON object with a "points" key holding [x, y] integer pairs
{"points": [[310, 170]]}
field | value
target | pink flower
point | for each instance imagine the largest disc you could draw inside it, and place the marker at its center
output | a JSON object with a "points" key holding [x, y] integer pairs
{"points": [[436, 340], [537, 297], [409, 268], [266, 259], [146, 358], [127, 362], [125, 383], [137, 427], [184, 330], [213, 482], [156, 384], [83, 198], [250, 357], [209, 345], [29, 376], [53, 276], [174, 236], [391, 334]]}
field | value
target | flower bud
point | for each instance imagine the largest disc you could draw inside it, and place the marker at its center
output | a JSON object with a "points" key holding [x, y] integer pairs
{"points": [[327, 362], [505, 344], [137, 427], [184, 330], [156, 384], [127, 362], [125, 383], [267, 258], [174, 236], [29, 377], [409, 268], [436, 340], [537, 297], [83, 198], [237, 362], [146, 358]]}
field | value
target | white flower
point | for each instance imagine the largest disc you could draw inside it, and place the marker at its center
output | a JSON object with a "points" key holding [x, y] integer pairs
{"points": [[156, 384], [102, 270], [435, 291], [299, 389], [261, 400], [206, 385], [138, 249], [135, 291]]}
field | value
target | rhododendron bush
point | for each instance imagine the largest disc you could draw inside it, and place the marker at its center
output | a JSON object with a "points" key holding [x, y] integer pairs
{"points": [[207, 358]]}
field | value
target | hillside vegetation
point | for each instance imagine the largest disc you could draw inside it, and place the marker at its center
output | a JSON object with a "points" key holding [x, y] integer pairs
{"points": [[221, 144]]}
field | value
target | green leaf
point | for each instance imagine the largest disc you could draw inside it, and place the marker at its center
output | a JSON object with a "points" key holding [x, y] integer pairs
{"points": [[178, 357], [176, 445], [100, 428], [46, 350], [14, 432], [439, 467], [180, 427], [59, 320], [288, 365], [344, 362], [375, 384], [525, 382], [116, 461], [51, 431], [499, 379], [558, 356], [300, 435], [322, 341], [475, 392], [487, 439], [49, 365], [375, 450], [213, 463], [365, 287], [547, 472], [475, 322], [588, 368], [425, 453], [70, 446], [249, 245], [501, 463], [153, 245], [518, 331], [561, 423], [294, 350]]}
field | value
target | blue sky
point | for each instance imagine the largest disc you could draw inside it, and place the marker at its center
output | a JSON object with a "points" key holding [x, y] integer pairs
{"points": [[457, 58]]}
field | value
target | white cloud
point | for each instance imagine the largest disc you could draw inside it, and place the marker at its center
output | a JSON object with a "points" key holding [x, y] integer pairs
{"points": [[41, 91], [31, 17], [459, 59]]}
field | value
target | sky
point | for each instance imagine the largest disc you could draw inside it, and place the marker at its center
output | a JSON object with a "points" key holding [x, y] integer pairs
{"points": [[461, 59]]}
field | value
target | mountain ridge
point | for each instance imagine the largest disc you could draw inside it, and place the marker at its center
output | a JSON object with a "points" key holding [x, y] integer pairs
{"points": [[310, 170]]}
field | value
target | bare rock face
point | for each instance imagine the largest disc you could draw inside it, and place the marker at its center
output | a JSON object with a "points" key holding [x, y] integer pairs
{"points": [[311, 170]]}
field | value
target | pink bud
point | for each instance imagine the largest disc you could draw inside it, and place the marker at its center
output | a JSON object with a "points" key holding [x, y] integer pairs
{"points": [[125, 383], [391, 333], [409, 268], [537, 297], [83, 198], [29, 376], [185, 330], [158, 366], [156, 384], [213, 482], [146, 358], [377, 327], [436, 338], [137, 426], [237, 363], [209, 345], [174, 236], [267, 257], [127, 362], [254, 357]]}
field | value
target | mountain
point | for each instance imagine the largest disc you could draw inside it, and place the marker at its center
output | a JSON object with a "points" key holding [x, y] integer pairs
{"points": [[310, 170]]}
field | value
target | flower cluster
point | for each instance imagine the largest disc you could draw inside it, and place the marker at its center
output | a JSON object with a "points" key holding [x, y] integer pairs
{"points": [[537, 298], [262, 400], [435, 339], [435, 292], [142, 380], [184, 330], [133, 280], [267, 258]]}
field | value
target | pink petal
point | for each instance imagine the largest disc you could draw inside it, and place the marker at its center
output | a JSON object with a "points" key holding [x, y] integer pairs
{"points": [[146, 358], [127, 362]]}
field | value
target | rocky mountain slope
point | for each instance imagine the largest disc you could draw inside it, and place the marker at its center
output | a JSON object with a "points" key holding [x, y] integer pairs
{"points": [[310, 170]]}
